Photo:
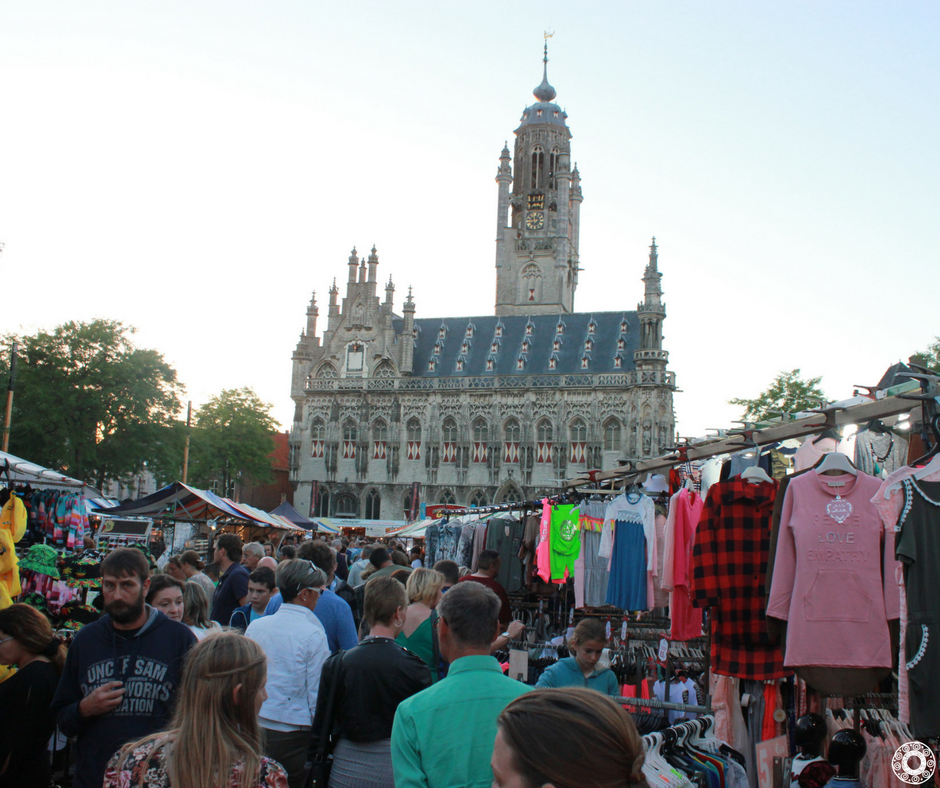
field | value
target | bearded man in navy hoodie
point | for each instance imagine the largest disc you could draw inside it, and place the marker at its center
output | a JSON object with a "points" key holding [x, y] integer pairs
{"points": [[122, 672]]}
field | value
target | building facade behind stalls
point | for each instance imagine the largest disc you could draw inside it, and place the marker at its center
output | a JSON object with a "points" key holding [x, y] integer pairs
{"points": [[490, 408]]}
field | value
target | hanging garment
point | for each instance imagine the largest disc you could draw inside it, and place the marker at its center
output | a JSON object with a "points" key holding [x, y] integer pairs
{"points": [[918, 547], [565, 541], [834, 574], [729, 563], [876, 453], [685, 509], [543, 550], [628, 540]]}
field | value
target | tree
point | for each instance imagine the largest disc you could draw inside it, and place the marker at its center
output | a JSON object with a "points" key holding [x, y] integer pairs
{"points": [[89, 402], [929, 358], [232, 441], [788, 393]]}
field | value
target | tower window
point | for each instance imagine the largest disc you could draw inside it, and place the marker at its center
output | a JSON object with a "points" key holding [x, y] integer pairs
{"points": [[531, 293], [538, 163], [552, 167]]}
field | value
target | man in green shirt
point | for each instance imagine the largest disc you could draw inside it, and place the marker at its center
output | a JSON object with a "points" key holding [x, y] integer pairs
{"points": [[443, 736]]}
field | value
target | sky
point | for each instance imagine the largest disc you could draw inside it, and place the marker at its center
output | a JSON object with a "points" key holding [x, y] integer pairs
{"points": [[196, 169]]}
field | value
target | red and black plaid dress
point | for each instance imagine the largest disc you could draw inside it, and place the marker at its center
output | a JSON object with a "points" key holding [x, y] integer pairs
{"points": [[729, 566]]}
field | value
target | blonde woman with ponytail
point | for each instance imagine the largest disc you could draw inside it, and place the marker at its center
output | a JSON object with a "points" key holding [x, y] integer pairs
{"points": [[214, 740]]}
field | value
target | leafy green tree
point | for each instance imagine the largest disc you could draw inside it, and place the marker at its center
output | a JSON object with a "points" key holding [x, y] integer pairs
{"points": [[231, 442], [89, 402], [788, 393], [929, 358]]}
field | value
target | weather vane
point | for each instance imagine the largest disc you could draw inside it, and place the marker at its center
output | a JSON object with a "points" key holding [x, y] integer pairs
{"points": [[549, 35]]}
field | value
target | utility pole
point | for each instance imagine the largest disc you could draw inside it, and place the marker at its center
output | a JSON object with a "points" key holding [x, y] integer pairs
{"points": [[189, 421], [9, 414]]}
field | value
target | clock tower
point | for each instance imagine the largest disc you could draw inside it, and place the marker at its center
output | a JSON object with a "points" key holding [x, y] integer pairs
{"points": [[539, 213]]}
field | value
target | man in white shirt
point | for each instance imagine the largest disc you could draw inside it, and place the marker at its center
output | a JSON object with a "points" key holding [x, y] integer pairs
{"points": [[294, 641]]}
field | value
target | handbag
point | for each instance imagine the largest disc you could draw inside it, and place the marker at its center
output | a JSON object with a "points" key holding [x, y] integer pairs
{"points": [[319, 774]]}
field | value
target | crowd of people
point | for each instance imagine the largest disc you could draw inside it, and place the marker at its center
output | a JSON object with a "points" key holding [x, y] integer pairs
{"points": [[313, 664]]}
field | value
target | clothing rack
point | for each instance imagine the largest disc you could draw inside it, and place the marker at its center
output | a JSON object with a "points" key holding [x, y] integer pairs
{"points": [[509, 507], [652, 703], [832, 417]]}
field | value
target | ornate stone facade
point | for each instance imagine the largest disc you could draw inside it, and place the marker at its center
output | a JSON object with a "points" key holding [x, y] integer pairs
{"points": [[484, 409]]}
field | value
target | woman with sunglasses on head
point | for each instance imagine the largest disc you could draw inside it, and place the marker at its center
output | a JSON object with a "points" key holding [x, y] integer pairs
{"points": [[214, 740], [27, 641], [371, 680], [296, 646]]}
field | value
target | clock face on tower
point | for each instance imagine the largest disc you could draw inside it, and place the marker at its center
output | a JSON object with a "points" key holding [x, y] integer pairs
{"points": [[534, 221]]}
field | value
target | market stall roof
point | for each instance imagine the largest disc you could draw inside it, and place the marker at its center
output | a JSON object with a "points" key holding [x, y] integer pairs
{"points": [[417, 530], [188, 504], [19, 470], [290, 514]]}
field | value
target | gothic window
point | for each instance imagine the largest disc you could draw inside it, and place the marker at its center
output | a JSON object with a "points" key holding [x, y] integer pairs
{"points": [[512, 495], [384, 370], [317, 437], [350, 435], [373, 505], [449, 434], [447, 497], [478, 498], [552, 167], [413, 429], [578, 432], [544, 431], [346, 506], [326, 371], [538, 163], [532, 282], [513, 435], [355, 354], [322, 509], [612, 435], [480, 438], [379, 439]]}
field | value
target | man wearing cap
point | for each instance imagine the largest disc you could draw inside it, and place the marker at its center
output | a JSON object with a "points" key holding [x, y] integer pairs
{"points": [[294, 641]]}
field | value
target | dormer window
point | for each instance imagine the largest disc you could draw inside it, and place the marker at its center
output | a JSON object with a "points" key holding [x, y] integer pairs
{"points": [[494, 347], [584, 362], [437, 348], [460, 365], [469, 333], [591, 326], [617, 361], [520, 363], [623, 326], [556, 345], [441, 332], [528, 329], [588, 346], [499, 330], [464, 348], [552, 363], [560, 329], [431, 366], [489, 365], [621, 344], [525, 346]]}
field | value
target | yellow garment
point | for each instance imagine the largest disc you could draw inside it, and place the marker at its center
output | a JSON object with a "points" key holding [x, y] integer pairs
{"points": [[13, 517], [5, 599], [5, 672], [9, 569]]}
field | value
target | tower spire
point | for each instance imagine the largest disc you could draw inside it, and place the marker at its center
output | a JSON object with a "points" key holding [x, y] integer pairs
{"points": [[545, 92]]}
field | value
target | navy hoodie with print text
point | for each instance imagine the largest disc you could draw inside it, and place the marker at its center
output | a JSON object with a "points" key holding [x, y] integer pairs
{"points": [[149, 664]]}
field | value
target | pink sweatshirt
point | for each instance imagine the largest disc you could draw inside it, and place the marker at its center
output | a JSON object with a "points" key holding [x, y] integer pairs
{"points": [[834, 574]]}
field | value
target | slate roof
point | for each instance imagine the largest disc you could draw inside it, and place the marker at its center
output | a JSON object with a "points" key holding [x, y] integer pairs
{"points": [[449, 348]]}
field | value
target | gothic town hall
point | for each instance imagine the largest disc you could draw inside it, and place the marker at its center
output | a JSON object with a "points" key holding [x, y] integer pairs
{"points": [[488, 408]]}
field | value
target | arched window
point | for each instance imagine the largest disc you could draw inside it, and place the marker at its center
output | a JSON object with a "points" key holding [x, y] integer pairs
{"points": [[384, 370], [513, 434], [578, 432], [480, 437], [538, 163], [552, 167], [447, 497], [612, 435], [478, 498], [544, 434], [449, 437], [322, 508], [326, 371], [346, 506], [317, 437], [350, 435], [512, 495], [545, 431], [414, 439], [373, 505], [379, 439]]}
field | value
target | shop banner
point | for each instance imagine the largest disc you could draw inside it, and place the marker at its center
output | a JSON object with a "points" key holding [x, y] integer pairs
{"points": [[415, 492], [314, 494]]}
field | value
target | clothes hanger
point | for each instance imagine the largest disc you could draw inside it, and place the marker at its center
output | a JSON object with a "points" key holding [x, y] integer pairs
{"points": [[836, 461], [755, 474]]}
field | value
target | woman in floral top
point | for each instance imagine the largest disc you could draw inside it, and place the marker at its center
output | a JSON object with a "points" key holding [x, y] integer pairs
{"points": [[214, 740]]}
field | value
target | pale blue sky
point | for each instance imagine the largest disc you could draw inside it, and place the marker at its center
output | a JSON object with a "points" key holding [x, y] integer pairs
{"points": [[197, 168]]}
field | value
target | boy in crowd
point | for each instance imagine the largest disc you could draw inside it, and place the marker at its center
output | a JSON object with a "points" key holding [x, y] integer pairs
{"points": [[261, 587]]}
